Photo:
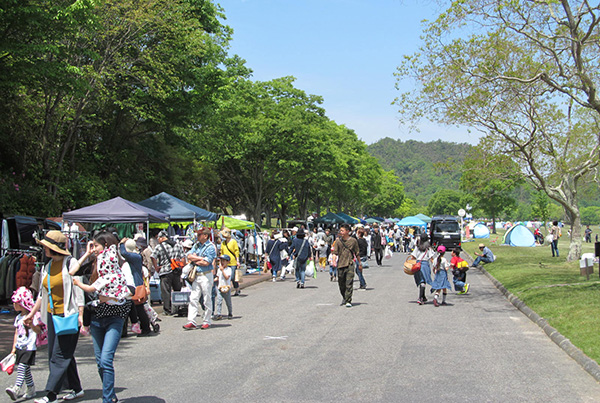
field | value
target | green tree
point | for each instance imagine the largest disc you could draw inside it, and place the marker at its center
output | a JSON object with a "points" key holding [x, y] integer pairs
{"points": [[590, 215], [524, 73], [490, 179], [445, 201]]}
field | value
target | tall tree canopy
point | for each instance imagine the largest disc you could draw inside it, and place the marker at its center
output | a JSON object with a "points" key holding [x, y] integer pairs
{"points": [[525, 73]]}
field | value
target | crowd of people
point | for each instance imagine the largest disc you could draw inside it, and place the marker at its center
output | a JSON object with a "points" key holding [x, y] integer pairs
{"points": [[108, 286]]}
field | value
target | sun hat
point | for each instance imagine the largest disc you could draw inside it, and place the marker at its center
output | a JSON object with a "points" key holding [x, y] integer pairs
{"points": [[203, 231], [226, 233], [481, 245], [56, 241], [130, 246], [141, 243], [441, 249], [188, 244], [24, 297]]}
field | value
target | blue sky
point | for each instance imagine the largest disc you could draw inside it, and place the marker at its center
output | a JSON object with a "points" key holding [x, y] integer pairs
{"points": [[344, 50]]}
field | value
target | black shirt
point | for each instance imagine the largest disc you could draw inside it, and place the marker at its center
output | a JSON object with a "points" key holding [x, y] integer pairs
{"points": [[362, 247]]}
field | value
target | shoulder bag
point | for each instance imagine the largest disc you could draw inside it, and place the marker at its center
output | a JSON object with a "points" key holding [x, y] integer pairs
{"points": [[352, 264], [295, 262], [62, 324]]}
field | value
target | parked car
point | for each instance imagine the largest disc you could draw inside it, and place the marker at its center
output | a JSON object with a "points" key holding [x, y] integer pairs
{"points": [[445, 230]]}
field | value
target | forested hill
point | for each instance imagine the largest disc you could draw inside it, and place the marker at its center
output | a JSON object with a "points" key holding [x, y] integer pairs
{"points": [[423, 168]]}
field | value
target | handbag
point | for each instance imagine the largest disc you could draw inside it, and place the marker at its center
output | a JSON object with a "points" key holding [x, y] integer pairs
{"points": [[295, 261], [193, 273], [141, 296], [224, 288], [63, 324], [8, 363], [411, 266]]}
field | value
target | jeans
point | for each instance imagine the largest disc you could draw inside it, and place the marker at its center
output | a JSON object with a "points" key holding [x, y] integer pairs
{"points": [[300, 271], [332, 271], [202, 285], [378, 256], [458, 284], [106, 334], [345, 282], [481, 259], [359, 273], [62, 365], [227, 297], [554, 246]]}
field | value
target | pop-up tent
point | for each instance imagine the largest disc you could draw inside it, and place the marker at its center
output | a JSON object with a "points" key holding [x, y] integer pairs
{"points": [[329, 218], [372, 220], [481, 231], [348, 219], [519, 235], [232, 223], [117, 210], [423, 218], [411, 222], [177, 209]]}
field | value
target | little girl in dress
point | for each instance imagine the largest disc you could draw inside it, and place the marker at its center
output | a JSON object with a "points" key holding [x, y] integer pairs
{"points": [[441, 277], [25, 343]]}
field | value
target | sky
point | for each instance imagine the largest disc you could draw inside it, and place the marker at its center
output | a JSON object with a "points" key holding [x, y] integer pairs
{"points": [[343, 50]]}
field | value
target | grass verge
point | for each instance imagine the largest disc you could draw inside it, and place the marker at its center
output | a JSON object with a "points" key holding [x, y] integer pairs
{"points": [[551, 287]]}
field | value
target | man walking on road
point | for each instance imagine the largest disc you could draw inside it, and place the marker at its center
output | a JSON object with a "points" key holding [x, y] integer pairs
{"points": [[202, 256], [346, 249], [170, 278], [377, 245]]}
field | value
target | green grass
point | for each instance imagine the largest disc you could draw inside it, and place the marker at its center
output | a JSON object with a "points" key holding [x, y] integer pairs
{"points": [[574, 310]]}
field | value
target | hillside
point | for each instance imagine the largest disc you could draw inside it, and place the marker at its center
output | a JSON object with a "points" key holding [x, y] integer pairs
{"points": [[423, 168]]}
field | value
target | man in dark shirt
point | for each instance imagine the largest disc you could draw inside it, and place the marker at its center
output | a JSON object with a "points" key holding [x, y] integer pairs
{"points": [[376, 245], [346, 250]]}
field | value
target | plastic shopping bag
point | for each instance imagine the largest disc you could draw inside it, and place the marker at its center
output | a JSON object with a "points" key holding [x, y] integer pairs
{"points": [[8, 363], [310, 269], [388, 253]]}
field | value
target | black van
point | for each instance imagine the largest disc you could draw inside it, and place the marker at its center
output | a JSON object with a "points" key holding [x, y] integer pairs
{"points": [[445, 230]]}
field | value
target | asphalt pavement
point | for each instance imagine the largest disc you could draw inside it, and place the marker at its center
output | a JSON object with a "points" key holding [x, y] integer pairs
{"points": [[286, 344]]}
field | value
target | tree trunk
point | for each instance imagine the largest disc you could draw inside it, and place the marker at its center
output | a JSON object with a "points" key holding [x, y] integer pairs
{"points": [[575, 245]]}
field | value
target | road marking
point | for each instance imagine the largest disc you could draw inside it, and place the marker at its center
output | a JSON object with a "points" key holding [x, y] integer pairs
{"points": [[324, 304], [275, 338]]}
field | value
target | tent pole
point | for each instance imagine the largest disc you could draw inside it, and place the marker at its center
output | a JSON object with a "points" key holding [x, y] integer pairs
{"points": [[148, 231]]}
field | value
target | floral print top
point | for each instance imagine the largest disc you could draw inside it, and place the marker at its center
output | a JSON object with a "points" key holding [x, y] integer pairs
{"points": [[111, 280]]}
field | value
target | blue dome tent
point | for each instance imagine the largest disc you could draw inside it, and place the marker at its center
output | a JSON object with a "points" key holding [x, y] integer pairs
{"points": [[519, 235], [481, 230]]}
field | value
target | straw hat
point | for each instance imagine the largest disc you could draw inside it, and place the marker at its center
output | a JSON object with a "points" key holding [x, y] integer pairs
{"points": [[130, 245], [56, 241], [226, 233]]}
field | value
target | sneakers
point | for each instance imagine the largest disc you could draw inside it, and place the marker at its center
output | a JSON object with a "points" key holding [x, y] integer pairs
{"points": [[30, 392], [45, 400], [348, 305], [363, 287], [435, 302], [205, 326], [230, 316], [190, 326], [14, 392], [420, 301], [274, 279], [466, 288], [444, 303], [73, 395], [135, 328], [301, 285], [298, 284], [218, 317]]}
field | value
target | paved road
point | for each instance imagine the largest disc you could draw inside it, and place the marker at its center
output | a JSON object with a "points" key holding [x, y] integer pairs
{"points": [[287, 344]]}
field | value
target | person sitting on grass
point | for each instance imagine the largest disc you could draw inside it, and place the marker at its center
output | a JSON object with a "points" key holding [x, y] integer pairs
{"points": [[486, 256]]}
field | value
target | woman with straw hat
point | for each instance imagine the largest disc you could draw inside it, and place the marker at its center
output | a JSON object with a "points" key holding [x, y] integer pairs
{"points": [[66, 300]]}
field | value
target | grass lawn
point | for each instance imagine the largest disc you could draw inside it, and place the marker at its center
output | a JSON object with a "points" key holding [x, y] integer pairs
{"points": [[572, 308]]}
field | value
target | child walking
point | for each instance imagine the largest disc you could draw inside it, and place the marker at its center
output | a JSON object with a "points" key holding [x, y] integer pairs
{"points": [[440, 283], [224, 275], [24, 344]]}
